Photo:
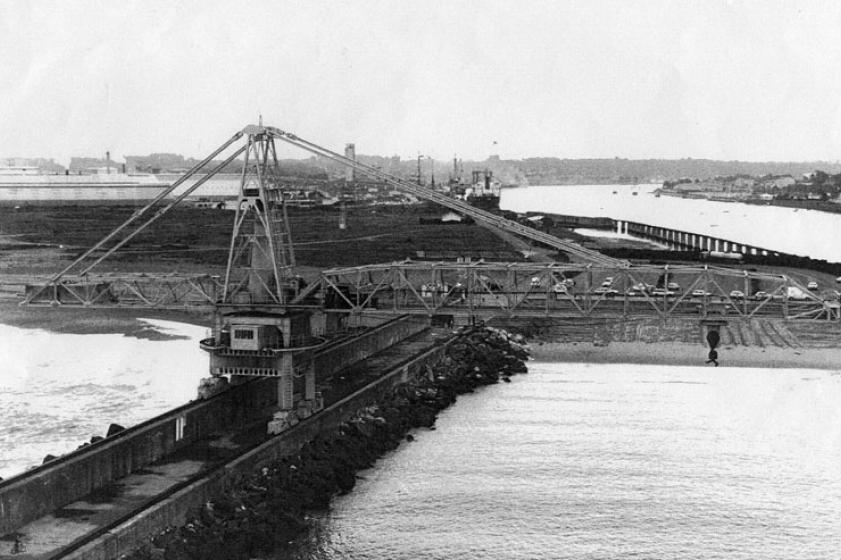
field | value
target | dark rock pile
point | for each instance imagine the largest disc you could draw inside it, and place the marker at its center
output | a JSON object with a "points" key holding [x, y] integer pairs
{"points": [[266, 511]]}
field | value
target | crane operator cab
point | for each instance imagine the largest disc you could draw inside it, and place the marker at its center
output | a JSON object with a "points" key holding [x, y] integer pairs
{"points": [[268, 344]]}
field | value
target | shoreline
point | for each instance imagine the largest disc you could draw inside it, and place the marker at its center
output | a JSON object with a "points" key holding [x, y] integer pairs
{"points": [[129, 322], [685, 354], [124, 321]]}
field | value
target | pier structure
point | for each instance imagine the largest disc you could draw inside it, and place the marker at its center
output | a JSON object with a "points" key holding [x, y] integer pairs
{"points": [[677, 240], [260, 276], [279, 340], [671, 238]]}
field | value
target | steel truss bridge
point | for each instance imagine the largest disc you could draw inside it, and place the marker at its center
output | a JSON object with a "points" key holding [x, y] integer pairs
{"points": [[261, 263], [484, 289]]}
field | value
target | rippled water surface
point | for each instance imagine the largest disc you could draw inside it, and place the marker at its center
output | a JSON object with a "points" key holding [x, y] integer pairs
{"points": [[610, 461], [806, 232], [57, 390]]}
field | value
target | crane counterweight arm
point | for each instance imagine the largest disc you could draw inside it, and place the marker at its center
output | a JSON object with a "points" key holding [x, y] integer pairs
{"points": [[137, 214], [446, 201], [165, 209]]}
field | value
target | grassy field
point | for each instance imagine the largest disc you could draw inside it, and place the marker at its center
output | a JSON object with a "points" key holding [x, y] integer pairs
{"points": [[40, 240], [192, 238]]}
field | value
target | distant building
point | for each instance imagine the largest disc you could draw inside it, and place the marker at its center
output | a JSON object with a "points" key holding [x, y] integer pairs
{"points": [[743, 184], [783, 182], [41, 165]]}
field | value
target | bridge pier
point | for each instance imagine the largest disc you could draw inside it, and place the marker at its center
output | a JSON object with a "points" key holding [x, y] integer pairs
{"points": [[285, 389]]}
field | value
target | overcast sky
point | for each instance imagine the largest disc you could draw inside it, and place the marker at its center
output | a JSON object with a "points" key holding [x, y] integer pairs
{"points": [[705, 79]]}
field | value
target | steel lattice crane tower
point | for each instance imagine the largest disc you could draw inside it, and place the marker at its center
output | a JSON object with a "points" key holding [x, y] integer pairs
{"points": [[261, 327], [255, 334], [261, 257]]}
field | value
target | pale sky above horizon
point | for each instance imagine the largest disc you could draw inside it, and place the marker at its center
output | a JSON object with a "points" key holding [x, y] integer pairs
{"points": [[637, 79]]}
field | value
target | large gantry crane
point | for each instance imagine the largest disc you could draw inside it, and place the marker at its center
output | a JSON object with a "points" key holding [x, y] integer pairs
{"points": [[268, 245], [264, 322], [261, 260]]}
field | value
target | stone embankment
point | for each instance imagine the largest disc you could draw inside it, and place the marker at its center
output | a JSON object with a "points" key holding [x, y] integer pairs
{"points": [[266, 511]]}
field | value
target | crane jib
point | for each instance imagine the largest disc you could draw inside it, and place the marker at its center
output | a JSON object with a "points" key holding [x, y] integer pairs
{"points": [[453, 204]]}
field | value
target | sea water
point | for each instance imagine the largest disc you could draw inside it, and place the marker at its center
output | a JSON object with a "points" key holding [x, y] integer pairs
{"points": [[57, 390], [805, 232], [609, 461]]}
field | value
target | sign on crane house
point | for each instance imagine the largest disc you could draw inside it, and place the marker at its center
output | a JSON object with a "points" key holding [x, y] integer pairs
{"points": [[255, 333]]}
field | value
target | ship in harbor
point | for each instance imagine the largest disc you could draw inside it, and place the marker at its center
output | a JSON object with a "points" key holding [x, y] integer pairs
{"points": [[24, 185], [482, 191]]}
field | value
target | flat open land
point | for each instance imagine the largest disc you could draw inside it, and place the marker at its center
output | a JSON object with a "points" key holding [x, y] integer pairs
{"points": [[39, 241]]}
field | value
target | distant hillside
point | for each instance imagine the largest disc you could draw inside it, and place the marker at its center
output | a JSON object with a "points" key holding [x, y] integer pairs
{"points": [[528, 171], [555, 171]]}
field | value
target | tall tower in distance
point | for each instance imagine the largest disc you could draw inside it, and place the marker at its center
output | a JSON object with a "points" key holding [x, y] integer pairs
{"points": [[350, 153], [350, 181]]}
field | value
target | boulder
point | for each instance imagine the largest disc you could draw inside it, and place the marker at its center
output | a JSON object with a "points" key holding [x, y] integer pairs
{"points": [[112, 430]]}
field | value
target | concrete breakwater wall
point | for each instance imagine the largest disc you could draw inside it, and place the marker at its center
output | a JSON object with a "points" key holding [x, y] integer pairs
{"points": [[356, 349], [265, 509], [175, 509], [50, 486]]}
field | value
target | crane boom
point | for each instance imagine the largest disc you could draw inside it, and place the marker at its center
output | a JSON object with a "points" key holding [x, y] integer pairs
{"points": [[261, 250], [451, 203]]}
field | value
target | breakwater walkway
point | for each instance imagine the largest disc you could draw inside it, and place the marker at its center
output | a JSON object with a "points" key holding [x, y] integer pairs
{"points": [[56, 508], [266, 511], [142, 495]]}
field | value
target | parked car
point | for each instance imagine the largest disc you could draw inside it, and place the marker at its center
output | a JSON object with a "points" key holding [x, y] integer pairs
{"points": [[673, 286], [812, 285], [793, 292], [700, 293], [660, 292], [760, 295], [737, 294], [605, 291]]}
